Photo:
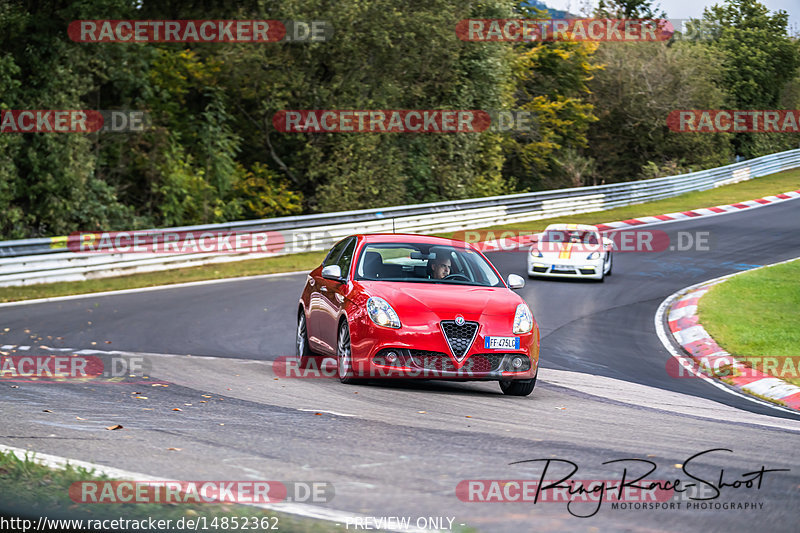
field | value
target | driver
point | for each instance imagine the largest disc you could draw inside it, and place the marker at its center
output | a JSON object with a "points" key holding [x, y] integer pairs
{"points": [[440, 268]]}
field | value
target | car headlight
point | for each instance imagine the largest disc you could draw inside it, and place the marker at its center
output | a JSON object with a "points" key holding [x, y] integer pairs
{"points": [[523, 319], [535, 253], [382, 313], [594, 255]]}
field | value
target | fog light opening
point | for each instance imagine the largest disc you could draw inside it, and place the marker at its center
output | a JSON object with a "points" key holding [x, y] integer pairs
{"points": [[391, 357], [517, 362]]}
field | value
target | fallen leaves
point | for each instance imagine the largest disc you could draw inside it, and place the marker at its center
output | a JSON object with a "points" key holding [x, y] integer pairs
{"points": [[174, 449], [46, 411], [114, 427], [177, 409]]}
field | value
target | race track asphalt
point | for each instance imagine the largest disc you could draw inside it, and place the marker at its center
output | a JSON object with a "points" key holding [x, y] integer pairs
{"points": [[604, 393]]}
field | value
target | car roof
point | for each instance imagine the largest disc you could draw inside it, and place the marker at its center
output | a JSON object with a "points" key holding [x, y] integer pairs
{"points": [[408, 237], [570, 227]]}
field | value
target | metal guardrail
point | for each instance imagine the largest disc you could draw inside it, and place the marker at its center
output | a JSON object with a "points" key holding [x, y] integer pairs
{"points": [[30, 261]]}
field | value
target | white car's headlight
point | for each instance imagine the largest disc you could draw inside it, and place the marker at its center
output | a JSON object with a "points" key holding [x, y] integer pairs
{"points": [[535, 252], [523, 319], [594, 255], [382, 313]]}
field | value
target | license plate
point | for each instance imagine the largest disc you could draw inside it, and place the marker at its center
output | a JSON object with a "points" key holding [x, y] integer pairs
{"points": [[563, 267], [501, 343]]}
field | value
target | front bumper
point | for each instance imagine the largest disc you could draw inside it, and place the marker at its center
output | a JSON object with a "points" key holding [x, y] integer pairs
{"points": [[427, 355], [565, 268]]}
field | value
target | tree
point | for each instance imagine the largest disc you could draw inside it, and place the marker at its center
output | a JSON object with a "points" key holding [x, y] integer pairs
{"points": [[552, 84], [639, 85], [629, 9], [758, 61]]}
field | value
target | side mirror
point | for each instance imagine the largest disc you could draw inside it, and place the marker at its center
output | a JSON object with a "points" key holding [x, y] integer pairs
{"points": [[608, 242], [333, 272], [515, 281]]}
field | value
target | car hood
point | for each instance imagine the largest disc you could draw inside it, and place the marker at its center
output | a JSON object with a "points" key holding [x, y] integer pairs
{"points": [[445, 301], [567, 251]]}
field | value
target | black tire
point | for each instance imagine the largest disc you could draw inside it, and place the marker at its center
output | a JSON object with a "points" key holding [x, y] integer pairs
{"points": [[343, 355], [308, 358], [518, 387], [610, 264]]}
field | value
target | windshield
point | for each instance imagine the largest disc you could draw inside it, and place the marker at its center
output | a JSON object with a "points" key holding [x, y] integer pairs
{"points": [[573, 236], [425, 263]]}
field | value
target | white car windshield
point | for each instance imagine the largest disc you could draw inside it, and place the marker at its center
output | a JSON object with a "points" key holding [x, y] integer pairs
{"points": [[573, 236], [425, 263]]}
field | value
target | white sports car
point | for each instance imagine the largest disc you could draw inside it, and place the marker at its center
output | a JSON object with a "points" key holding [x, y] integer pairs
{"points": [[570, 251]]}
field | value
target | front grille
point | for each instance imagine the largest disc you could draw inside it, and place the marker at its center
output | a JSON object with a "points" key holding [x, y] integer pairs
{"points": [[484, 362], [587, 271], [477, 363], [459, 338], [432, 360]]}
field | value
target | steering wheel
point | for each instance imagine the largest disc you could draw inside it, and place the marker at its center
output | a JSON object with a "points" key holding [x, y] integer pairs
{"points": [[460, 277]]}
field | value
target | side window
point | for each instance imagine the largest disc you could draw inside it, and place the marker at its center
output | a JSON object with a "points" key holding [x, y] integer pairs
{"points": [[347, 257], [335, 252]]}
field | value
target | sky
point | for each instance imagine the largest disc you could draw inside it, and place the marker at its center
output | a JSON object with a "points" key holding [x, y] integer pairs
{"points": [[683, 9]]}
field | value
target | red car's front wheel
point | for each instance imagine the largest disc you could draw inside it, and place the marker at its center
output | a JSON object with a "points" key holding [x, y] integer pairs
{"points": [[519, 387], [344, 355], [304, 352]]}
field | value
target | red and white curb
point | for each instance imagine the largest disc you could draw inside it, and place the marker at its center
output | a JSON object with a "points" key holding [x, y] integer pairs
{"points": [[704, 212], [607, 227], [701, 356]]}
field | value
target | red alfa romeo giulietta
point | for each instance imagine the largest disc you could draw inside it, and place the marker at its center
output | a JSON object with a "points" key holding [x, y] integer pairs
{"points": [[412, 306]]}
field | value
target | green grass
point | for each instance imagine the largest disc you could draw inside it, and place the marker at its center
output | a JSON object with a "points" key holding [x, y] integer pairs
{"points": [[755, 317], [747, 190], [788, 180], [30, 490]]}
